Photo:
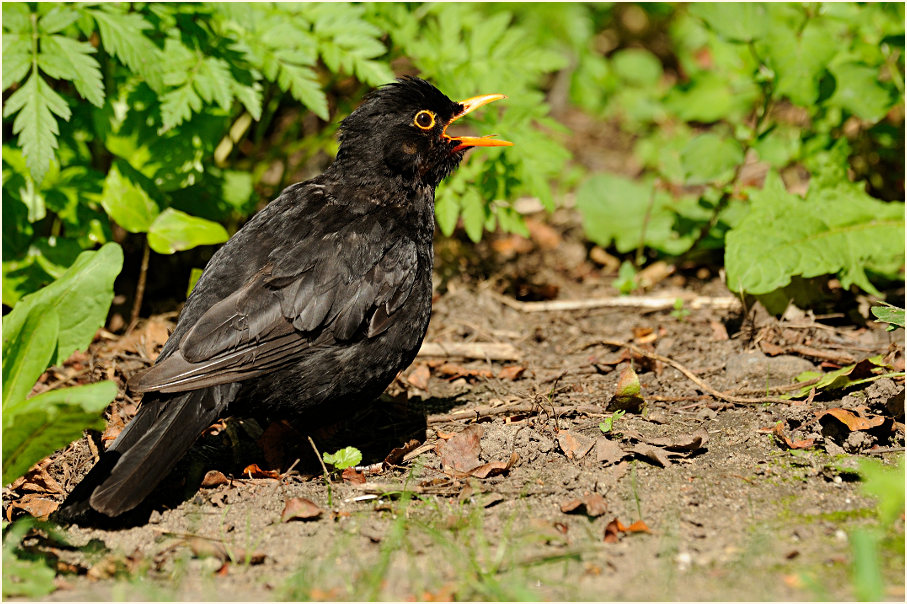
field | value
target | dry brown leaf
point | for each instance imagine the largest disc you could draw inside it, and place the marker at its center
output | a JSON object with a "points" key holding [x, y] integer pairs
{"points": [[511, 372], [656, 455], [686, 442], [591, 504], [770, 349], [786, 443], [575, 446], [495, 467], [852, 420], [615, 527], [607, 451], [396, 455], [351, 476], [452, 372], [213, 479], [419, 377], [461, 452], [253, 471], [300, 508], [35, 505], [644, 335]]}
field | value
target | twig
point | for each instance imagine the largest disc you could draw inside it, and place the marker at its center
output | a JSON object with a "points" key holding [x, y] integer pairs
{"points": [[648, 302], [327, 475], [694, 378], [140, 288], [491, 351], [489, 411], [883, 450]]}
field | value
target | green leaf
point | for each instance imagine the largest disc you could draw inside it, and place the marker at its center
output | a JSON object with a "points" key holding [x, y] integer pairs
{"points": [[57, 19], [17, 57], [886, 484], [858, 91], [344, 458], [175, 231], [23, 577], [447, 211], [302, 83], [799, 59], [121, 35], [710, 158], [127, 203], [81, 298], [36, 104], [617, 209], [16, 19], [194, 275], [736, 21], [178, 105], [27, 352], [36, 427], [637, 66], [889, 314], [65, 58], [836, 230], [473, 214]]}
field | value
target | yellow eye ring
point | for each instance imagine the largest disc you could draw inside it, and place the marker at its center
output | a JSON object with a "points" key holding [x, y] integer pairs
{"points": [[424, 120]]}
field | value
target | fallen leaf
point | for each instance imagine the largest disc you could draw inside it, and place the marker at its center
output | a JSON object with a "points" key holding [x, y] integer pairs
{"points": [[512, 245], [396, 455], [656, 455], [452, 372], [351, 476], [786, 443], [644, 335], [607, 451], [214, 478], [615, 527], [461, 452], [574, 446], [419, 377], [591, 504], [511, 372], [253, 471], [688, 442], [719, 331], [300, 508], [543, 235], [654, 273], [770, 349], [35, 505], [494, 468], [852, 420]]}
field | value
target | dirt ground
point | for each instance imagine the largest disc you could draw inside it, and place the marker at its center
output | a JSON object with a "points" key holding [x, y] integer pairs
{"points": [[511, 489]]}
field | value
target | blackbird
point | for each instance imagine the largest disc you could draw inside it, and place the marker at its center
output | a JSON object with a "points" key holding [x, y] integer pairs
{"points": [[319, 300]]}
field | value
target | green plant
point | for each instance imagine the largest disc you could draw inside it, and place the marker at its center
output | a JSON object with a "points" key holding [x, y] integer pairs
{"points": [[24, 576], [608, 424], [805, 86], [892, 315], [679, 312], [44, 329], [342, 459]]}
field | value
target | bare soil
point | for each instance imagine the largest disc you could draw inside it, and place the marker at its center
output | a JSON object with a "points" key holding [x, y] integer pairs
{"points": [[728, 510]]}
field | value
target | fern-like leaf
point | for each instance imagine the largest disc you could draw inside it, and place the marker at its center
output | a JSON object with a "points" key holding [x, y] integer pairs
{"points": [[35, 125], [67, 59]]}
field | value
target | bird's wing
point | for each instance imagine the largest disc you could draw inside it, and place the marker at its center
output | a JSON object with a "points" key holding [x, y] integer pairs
{"points": [[340, 286]]}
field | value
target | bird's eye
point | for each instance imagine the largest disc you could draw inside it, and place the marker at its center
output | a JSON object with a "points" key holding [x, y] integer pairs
{"points": [[425, 120]]}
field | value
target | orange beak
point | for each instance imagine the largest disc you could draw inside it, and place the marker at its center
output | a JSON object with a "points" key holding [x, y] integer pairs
{"points": [[465, 142]]}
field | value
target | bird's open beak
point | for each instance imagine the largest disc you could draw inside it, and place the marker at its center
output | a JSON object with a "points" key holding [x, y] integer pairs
{"points": [[465, 142]]}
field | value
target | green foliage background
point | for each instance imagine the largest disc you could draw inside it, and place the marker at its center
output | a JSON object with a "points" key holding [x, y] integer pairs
{"points": [[764, 138]]}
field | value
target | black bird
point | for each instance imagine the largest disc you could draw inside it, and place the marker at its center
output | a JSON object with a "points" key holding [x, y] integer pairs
{"points": [[319, 300]]}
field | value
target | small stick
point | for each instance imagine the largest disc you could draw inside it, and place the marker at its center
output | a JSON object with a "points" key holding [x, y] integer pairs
{"points": [[489, 411], [140, 288], [491, 351], [648, 302], [327, 475], [695, 379]]}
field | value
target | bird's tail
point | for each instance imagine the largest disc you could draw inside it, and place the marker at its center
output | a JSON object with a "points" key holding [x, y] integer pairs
{"points": [[164, 428]]}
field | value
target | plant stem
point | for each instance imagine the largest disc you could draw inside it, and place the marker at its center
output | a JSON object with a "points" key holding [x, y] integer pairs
{"points": [[140, 287]]}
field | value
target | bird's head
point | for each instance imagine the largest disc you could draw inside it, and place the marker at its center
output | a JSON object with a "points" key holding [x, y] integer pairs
{"points": [[400, 130]]}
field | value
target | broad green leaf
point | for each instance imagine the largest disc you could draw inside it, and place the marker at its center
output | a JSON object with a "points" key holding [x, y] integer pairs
{"points": [[174, 231], [16, 19], [35, 125], [737, 21], [857, 90], [710, 158], [194, 275], [347, 457], [886, 484], [779, 147], [127, 203], [473, 214], [888, 314], [81, 298], [36, 427], [67, 59], [833, 231], [798, 59], [27, 352], [637, 66], [447, 211], [614, 209]]}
